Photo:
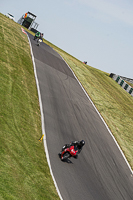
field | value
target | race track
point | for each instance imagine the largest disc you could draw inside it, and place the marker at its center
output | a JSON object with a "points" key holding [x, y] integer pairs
{"points": [[100, 172]]}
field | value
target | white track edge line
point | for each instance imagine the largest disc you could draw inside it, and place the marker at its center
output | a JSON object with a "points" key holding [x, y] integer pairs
{"points": [[42, 120], [101, 118]]}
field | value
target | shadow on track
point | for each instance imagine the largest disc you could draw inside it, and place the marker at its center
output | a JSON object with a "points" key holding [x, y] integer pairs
{"points": [[65, 161]]}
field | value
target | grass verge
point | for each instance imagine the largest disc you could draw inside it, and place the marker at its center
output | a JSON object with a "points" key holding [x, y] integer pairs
{"points": [[24, 172]]}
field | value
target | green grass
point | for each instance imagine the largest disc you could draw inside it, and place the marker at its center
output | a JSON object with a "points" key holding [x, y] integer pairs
{"points": [[24, 172]]}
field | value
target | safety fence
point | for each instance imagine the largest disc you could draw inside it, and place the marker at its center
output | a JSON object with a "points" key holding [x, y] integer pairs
{"points": [[122, 83], [127, 79]]}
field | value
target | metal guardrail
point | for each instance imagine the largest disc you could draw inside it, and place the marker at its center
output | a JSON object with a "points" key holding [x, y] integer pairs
{"points": [[127, 79], [122, 82]]}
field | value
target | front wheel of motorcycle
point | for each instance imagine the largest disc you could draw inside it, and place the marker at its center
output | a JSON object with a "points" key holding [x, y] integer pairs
{"points": [[65, 156]]}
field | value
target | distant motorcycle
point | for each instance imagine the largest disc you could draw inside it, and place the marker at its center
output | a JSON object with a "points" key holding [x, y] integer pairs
{"points": [[67, 152], [38, 41]]}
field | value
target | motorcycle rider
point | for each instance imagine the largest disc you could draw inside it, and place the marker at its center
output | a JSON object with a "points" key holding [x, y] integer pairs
{"points": [[78, 145], [38, 35]]}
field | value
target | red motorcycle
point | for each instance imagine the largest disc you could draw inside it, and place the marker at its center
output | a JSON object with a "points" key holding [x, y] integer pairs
{"points": [[68, 152]]}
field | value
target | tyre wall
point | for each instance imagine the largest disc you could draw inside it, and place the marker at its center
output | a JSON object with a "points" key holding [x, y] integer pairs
{"points": [[122, 83]]}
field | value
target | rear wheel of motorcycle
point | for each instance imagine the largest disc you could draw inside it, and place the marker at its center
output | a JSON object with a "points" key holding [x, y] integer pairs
{"points": [[66, 156]]}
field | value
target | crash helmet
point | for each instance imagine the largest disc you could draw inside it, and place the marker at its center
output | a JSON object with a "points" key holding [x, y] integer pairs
{"points": [[82, 142]]}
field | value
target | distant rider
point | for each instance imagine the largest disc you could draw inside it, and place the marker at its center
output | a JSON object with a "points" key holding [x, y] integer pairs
{"points": [[78, 145], [39, 36]]}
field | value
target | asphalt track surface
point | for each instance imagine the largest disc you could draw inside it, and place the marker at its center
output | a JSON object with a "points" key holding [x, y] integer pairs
{"points": [[100, 172]]}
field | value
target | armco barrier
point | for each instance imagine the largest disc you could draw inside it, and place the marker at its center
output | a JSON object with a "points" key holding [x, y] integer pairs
{"points": [[127, 79], [122, 83]]}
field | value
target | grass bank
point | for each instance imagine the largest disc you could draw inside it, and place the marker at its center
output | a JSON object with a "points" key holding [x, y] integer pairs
{"points": [[24, 172]]}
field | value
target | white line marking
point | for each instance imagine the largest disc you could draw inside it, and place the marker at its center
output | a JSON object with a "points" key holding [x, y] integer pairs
{"points": [[42, 120], [101, 118]]}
